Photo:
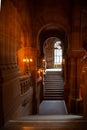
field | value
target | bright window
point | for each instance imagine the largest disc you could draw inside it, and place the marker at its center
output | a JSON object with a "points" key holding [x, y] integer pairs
{"points": [[0, 5], [57, 54]]}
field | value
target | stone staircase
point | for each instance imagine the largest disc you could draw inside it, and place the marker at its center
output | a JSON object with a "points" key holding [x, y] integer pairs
{"points": [[53, 85], [70, 122]]}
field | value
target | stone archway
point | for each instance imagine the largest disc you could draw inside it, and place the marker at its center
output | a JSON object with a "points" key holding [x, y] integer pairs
{"points": [[53, 57], [59, 33], [56, 31], [48, 32]]}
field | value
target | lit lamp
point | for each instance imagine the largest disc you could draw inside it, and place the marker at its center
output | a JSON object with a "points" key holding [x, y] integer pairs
{"points": [[27, 64], [63, 61], [43, 62], [44, 65]]}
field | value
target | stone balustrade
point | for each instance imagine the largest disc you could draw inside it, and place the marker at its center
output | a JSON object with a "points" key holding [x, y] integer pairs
{"points": [[25, 83]]}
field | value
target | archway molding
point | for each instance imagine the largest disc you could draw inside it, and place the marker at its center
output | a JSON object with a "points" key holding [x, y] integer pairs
{"points": [[51, 30]]}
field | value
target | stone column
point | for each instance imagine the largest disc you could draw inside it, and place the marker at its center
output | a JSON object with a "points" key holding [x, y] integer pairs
{"points": [[34, 80], [31, 53], [75, 61], [85, 93]]}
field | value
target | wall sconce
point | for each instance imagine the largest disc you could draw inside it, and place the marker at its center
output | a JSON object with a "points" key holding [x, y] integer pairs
{"points": [[27, 62], [44, 60], [63, 61], [44, 63]]}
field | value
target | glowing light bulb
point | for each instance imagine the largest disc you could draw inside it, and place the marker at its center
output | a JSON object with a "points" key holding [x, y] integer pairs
{"points": [[31, 60]]}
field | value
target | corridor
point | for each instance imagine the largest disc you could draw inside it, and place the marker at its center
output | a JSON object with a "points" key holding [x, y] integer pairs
{"points": [[36, 36]]}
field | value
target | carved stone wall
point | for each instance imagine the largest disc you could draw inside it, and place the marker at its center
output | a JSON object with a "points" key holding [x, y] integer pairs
{"points": [[26, 96], [10, 34], [74, 81], [20, 26], [83, 86]]}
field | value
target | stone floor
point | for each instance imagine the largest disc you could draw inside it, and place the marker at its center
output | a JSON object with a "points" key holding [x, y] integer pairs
{"points": [[51, 122], [53, 107], [48, 122]]}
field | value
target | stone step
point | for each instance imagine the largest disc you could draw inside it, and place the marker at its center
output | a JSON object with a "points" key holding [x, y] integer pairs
{"points": [[53, 72], [47, 122], [56, 90], [58, 76], [53, 95], [53, 98], [53, 90], [53, 85], [53, 80], [55, 75]]}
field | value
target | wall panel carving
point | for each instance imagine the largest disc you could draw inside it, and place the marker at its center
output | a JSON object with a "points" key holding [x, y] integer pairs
{"points": [[10, 31]]}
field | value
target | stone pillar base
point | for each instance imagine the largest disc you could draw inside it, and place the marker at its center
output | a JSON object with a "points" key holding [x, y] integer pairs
{"points": [[76, 106]]}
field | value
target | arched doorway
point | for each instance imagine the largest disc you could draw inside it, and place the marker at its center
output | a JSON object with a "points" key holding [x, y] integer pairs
{"points": [[57, 55], [47, 36], [53, 46], [53, 53]]}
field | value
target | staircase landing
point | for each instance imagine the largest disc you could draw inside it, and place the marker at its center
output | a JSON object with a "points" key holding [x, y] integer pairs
{"points": [[70, 122], [54, 69], [53, 107]]}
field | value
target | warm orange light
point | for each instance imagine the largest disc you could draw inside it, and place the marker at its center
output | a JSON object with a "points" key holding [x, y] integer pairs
{"points": [[24, 60], [28, 128], [30, 60], [63, 60], [27, 60], [43, 60]]}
